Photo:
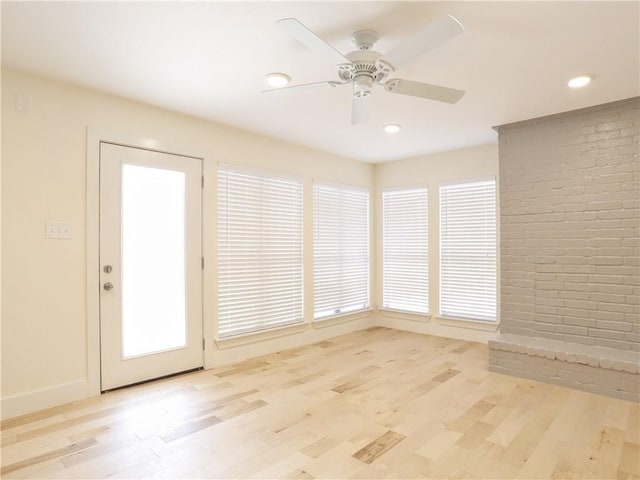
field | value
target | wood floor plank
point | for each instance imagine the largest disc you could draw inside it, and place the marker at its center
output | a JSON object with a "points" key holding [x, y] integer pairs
{"points": [[413, 466], [632, 432], [245, 408], [377, 447], [233, 396], [189, 428], [476, 435], [9, 440], [243, 368], [630, 459], [319, 447], [299, 474], [446, 375], [100, 449], [70, 423], [463, 348], [59, 452], [348, 386], [440, 441]]}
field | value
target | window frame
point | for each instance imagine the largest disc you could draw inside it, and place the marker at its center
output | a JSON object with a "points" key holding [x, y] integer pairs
{"points": [[484, 319], [424, 189], [298, 267], [340, 312]]}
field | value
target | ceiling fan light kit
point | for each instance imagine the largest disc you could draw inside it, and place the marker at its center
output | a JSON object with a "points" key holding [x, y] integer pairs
{"points": [[365, 68]]}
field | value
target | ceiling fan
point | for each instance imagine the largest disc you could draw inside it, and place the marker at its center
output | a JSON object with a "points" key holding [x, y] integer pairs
{"points": [[365, 68]]}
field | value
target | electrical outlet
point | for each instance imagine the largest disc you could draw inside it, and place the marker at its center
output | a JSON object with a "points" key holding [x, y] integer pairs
{"points": [[59, 230]]}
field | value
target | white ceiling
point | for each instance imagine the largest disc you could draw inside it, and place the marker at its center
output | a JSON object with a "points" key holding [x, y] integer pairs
{"points": [[209, 59]]}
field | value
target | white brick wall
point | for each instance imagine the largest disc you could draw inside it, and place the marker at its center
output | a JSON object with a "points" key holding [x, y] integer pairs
{"points": [[570, 227], [570, 220]]}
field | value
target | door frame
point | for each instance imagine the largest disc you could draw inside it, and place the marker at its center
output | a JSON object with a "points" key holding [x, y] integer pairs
{"points": [[94, 138]]}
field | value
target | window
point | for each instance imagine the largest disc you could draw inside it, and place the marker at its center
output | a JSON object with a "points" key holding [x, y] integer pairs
{"points": [[468, 250], [259, 251], [340, 250], [405, 252]]}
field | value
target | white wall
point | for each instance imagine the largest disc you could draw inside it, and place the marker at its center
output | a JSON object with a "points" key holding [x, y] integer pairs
{"points": [[430, 171], [46, 357]]}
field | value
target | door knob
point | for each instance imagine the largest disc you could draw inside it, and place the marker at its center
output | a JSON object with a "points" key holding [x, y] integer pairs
{"points": [[108, 286]]}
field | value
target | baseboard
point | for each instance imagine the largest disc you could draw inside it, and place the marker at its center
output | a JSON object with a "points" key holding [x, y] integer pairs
{"points": [[409, 323], [24, 403]]}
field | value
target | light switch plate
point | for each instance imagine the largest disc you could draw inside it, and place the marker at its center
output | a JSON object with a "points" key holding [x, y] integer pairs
{"points": [[22, 103], [59, 230]]}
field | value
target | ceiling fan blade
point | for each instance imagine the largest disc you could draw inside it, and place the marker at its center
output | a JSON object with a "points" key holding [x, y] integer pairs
{"points": [[433, 34], [303, 86], [424, 90], [360, 109], [305, 36]]}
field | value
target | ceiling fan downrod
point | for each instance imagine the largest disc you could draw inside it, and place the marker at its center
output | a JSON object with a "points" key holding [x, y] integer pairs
{"points": [[364, 39]]}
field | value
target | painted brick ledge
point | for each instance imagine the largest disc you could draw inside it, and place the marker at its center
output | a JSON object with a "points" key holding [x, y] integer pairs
{"points": [[602, 357], [599, 370]]}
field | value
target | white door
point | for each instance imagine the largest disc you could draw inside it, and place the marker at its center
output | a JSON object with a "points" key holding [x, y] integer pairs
{"points": [[150, 265]]}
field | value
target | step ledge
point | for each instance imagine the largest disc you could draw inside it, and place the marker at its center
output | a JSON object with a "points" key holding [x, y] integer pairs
{"points": [[606, 358]]}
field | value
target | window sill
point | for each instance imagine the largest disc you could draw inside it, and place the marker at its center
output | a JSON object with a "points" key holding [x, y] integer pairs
{"points": [[261, 336], [325, 322], [470, 324]]}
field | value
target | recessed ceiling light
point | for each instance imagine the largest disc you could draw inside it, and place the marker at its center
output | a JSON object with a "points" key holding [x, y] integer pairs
{"points": [[581, 81], [392, 128], [277, 80]]}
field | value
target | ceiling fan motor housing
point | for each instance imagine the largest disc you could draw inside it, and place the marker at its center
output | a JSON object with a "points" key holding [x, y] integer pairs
{"points": [[365, 70]]}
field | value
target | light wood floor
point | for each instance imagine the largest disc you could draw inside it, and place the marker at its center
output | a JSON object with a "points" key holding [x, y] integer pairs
{"points": [[373, 404]]}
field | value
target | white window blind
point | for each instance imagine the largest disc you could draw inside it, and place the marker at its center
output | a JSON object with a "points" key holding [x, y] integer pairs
{"points": [[405, 252], [468, 250], [259, 251], [340, 250]]}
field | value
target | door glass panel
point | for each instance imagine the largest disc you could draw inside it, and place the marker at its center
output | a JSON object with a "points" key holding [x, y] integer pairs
{"points": [[153, 260]]}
